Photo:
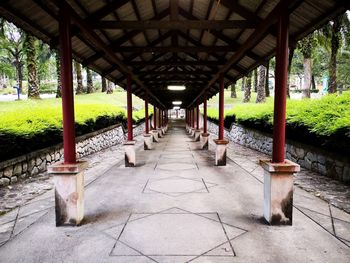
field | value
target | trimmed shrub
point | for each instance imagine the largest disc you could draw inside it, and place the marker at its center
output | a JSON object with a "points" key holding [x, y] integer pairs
{"points": [[321, 122]]}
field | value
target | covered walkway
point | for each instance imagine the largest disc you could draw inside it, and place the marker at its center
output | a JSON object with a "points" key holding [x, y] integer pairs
{"points": [[176, 206]]}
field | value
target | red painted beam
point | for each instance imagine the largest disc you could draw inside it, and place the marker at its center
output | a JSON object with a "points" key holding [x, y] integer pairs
{"points": [[154, 117], [205, 113], [281, 80], [192, 117], [129, 108], [146, 114], [67, 84], [221, 107]]}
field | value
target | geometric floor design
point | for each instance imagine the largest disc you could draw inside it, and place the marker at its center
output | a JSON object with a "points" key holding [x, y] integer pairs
{"points": [[176, 186], [160, 237]]}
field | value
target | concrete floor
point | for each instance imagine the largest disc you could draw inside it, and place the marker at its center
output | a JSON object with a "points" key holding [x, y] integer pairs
{"points": [[175, 206]]}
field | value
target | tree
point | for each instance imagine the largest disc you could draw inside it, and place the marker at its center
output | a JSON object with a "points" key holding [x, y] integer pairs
{"points": [[12, 49], [331, 37], [305, 46], [109, 87], [104, 84], [30, 50], [247, 88], [58, 72], [260, 97], [233, 90], [255, 72], [44, 54], [89, 84], [267, 88], [243, 82], [80, 87]]}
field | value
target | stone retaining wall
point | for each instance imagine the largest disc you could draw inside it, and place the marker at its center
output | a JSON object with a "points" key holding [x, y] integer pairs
{"points": [[307, 156], [36, 162]]}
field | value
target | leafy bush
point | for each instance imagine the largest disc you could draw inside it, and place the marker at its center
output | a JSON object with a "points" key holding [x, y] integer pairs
{"points": [[37, 124], [324, 121]]}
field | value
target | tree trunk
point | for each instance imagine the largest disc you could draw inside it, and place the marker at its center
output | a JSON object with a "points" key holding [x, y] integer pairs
{"points": [[19, 75], [335, 42], [104, 84], [109, 87], [233, 90], [307, 78], [243, 82], [313, 82], [89, 84], [290, 60], [260, 97], [58, 72], [247, 88], [33, 88], [80, 87], [267, 89], [255, 80]]}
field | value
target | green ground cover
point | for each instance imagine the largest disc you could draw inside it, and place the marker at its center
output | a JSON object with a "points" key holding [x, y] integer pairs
{"points": [[324, 121], [33, 124]]}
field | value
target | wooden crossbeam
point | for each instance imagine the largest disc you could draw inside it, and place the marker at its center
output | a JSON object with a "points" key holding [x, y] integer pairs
{"points": [[176, 72], [105, 10], [186, 49], [176, 63], [174, 24]]}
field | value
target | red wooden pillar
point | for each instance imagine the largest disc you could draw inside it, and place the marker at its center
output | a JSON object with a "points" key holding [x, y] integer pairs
{"points": [[221, 108], [67, 85], [188, 117], [146, 114], [205, 113], [197, 121], [192, 124], [129, 108], [281, 81], [154, 117]]}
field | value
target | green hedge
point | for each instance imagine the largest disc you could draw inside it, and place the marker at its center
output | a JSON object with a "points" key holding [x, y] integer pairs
{"points": [[28, 127], [324, 121]]}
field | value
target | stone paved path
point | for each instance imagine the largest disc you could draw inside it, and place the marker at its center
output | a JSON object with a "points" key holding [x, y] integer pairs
{"points": [[176, 207]]}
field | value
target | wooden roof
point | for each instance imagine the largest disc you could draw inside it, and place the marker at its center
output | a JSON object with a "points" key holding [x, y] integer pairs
{"points": [[162, 42]]}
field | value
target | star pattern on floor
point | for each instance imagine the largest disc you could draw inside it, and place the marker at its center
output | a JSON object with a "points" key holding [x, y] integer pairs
{"points": [[174, 235]]}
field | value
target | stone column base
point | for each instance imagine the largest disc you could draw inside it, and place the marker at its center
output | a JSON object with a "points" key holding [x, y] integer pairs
{"points": [[155, 136], [197, 134], [204, 138], [69, 192], [160, 132], [220, 152], [163, 130], [278, 191], [147, 141], [130, 154]]}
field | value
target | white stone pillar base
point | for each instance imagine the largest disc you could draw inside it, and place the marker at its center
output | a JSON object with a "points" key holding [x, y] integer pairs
{"points": [[197, 134], [160, 133], [220, 152], [130, 154], [204, 138], [155, 136], [69, 192], [163, 130], [147, 143], [278, 191]]}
